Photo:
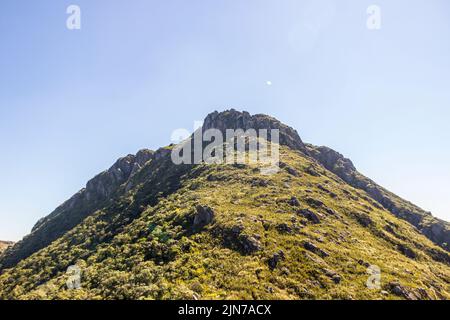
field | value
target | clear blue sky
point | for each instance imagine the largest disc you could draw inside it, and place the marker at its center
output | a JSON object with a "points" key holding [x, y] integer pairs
{"points": [[71, 102]]}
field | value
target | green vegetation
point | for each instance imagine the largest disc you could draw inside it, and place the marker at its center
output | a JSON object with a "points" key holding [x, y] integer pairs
{"points": [[302, 233]]}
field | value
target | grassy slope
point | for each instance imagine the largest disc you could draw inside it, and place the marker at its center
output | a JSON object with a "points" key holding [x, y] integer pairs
{"points": [[158, 254]]}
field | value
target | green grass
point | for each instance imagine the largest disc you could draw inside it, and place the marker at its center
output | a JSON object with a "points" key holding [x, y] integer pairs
{"points": [[144, 246]]}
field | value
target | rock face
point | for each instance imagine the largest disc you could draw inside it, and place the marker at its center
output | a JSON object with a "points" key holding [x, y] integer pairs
{"points": [[4, 245], [435, 229], [98, 191], [233, 119], [332, 160]]}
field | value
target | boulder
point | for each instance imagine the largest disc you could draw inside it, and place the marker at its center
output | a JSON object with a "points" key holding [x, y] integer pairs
{"points": [[314, 249], [401, 291], [333, 275], [315, 203], [256, 182], [332, 194], [249, 243], [275, 259], [284, 228], [289, 169], [294, 202], [311, 216], [204, 216]]}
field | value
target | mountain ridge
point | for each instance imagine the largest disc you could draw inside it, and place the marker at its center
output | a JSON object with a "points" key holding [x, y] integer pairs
{"points": [[97, 190], [82, 204], [150, 214], [435, 229]]}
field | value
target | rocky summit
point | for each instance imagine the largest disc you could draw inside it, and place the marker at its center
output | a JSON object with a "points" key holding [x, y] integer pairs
{"points": [[150, 229]]}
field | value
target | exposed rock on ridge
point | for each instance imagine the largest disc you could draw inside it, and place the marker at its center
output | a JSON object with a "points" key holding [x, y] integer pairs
{"points": [[232, 119], [433, 228], [96, 194]]}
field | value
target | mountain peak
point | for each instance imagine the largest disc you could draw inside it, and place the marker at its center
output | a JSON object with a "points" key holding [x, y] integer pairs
{"points": [[233, 119], [147, 202], [159, 222]]}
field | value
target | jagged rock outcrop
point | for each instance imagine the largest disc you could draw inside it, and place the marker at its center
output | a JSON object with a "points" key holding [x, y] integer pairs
{"points": [[232, 119], [95, 196], [103, 185]]}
